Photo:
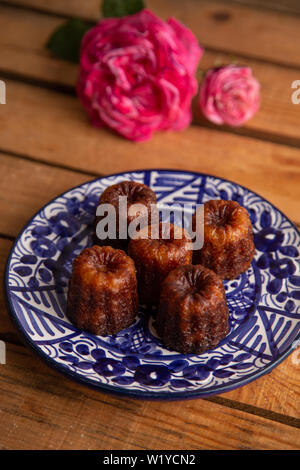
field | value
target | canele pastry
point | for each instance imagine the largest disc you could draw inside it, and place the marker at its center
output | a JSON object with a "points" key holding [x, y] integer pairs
{"points": [[192, 315], [137, 194], [228, 247], [156, 251], [102, 295]]}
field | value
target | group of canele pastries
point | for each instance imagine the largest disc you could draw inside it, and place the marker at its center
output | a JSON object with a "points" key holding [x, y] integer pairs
{"points": [[110, 279]]}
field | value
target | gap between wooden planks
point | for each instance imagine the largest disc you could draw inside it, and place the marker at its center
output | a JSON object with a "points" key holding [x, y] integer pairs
{"points": [[289, 6], [42, 411], [24, 55], [277, 392], [267, 35]]}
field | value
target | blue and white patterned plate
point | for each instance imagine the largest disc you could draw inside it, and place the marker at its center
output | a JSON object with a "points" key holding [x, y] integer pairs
{"points": [[264, 302]]}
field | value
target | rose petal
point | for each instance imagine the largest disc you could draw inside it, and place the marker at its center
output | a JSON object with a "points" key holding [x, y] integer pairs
{"points": [[229, 95], [137, 74]]}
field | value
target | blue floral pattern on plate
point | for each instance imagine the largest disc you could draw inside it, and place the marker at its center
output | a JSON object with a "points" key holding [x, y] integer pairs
{"points": [[264, 302]]}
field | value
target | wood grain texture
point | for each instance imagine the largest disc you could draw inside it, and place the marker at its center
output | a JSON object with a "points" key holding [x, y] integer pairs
{"points": [[27, 186], [47, 411], [256, 33], [52, 127], [277, 392], [289, 6], [24, 54], [88, 10], [278, 118], [47, 145]]}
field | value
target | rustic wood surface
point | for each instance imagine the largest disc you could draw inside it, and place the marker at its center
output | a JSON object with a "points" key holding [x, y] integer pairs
{"points": [[48, 146]]}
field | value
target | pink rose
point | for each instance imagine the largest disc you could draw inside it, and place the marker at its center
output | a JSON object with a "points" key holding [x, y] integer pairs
{"points": [[229, 95], [137, 74]]}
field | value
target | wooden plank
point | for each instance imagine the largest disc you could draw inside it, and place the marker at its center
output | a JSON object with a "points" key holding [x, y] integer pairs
{"points": [[277, 392], [42, 410], [7, 329], [289, 6], [27, 186], [25, 54], [238, 29], [52, 127], [277, 118], [88, 10]]}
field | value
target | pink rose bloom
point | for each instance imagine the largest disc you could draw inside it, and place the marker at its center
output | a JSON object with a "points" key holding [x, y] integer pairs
{"points": [[137, 74], [229, 95]]}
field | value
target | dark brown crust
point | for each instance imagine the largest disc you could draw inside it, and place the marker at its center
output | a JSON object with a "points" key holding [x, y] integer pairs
{"points": [[137, 193], [155, 258], [192, 315], [228, 247], [102, 295]]}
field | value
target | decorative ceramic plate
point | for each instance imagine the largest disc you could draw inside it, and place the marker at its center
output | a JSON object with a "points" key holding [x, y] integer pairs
{"points": [[264, 302]]}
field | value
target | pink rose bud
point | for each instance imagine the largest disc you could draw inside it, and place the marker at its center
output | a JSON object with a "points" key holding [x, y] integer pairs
{"points": [[137, 74], [229, 95]]}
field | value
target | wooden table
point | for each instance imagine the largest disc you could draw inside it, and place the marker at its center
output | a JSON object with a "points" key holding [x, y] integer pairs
{"points": [[47, 146]]}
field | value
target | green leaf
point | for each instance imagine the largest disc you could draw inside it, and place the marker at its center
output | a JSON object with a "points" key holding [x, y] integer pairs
{"points": [[66, 39], [120, 8]]}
